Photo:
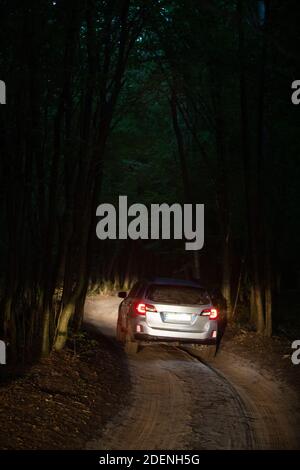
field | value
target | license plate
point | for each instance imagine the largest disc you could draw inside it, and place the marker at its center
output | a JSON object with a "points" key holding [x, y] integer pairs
{"points": [[178, 317]]}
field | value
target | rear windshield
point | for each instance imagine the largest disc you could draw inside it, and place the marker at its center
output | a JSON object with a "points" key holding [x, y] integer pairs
{"points": [[182, 295]]}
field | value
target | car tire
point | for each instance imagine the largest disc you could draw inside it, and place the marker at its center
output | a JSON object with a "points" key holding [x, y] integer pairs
{"points": [[120, 335], [131, 346], [206, 352], [210, 352]]}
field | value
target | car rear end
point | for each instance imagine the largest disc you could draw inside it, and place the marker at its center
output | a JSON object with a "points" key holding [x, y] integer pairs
{"points": [[174, 312]]}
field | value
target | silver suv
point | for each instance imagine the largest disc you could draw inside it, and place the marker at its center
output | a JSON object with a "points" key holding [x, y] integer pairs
{"points": [[167, 310]]}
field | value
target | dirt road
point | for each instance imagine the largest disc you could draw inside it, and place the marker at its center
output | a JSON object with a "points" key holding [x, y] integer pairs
{"points": [[178, 402]]}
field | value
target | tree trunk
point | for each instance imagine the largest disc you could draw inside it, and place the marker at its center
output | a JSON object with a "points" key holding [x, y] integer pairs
{"points": [[46, 332], [260, 321], [251, 180], [226, 280], [79, 307], [253, 312], [62, 328], [196, 266], [181, 147], [268, 295]]}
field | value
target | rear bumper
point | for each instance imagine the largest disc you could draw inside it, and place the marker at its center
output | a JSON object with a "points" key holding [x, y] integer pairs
{"points": [[143, 331], [180, 339]]}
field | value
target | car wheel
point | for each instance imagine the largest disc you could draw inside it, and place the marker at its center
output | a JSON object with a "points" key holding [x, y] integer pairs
{"points": [[131, 346], [120, 333], [206, 352], [211, 351]]}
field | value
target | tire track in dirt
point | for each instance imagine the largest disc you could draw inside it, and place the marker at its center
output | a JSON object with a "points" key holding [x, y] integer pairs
{"points": [[272, 408], [176, 403]]}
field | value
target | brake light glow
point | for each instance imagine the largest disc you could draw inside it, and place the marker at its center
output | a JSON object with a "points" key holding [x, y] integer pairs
{"points": [[212, 313], [141, 308]]}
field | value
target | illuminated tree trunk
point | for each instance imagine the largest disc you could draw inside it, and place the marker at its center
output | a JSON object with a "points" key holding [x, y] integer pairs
{"points": [[226, 279]]}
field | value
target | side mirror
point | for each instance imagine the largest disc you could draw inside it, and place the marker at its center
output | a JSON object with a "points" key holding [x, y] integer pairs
{"points": [[122, 294]]}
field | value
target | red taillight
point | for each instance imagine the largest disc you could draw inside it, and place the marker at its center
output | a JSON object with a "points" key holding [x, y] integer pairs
{"points": [[212, 313], [141, 308]]}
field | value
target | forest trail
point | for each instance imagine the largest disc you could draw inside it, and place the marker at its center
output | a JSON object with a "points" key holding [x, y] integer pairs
{"points": [[178, 402]]}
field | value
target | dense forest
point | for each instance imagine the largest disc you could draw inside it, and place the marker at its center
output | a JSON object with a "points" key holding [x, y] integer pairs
{"points": [[162, 101]]}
